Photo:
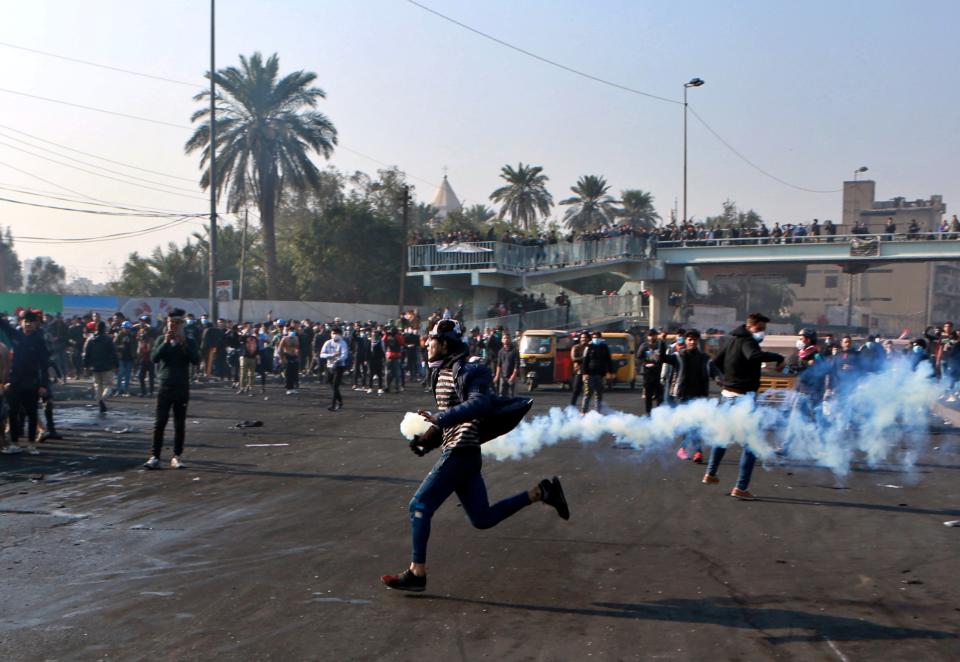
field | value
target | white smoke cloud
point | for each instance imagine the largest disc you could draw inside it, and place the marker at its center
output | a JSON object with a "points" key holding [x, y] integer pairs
{"points": [[413, 424], [875, 416]]}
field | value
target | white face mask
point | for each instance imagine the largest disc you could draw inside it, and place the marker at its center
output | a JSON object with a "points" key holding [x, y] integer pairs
{"points": [[801, 344], [759, 336], [337, 337]]}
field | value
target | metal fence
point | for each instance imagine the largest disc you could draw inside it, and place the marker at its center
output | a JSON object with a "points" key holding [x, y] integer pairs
{"points": [[518, 258], [515, 257]]}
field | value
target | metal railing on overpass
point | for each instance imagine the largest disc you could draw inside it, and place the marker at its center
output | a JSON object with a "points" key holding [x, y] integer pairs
{"points": [[852, 239], [468, 256], [516, 257]]}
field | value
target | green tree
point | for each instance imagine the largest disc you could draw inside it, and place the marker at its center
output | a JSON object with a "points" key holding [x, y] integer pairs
{"points": [[46, 276], [525, 195], [346, 253], [591, 206], [475, 218], [637, 209], [174, 272], [229, 251], [731, 216], [267, 126], [11, 271]]}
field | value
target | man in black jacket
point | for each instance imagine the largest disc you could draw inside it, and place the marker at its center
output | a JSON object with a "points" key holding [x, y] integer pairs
{"points": [[740, 361], [597, 364], [27, 379], [693, 370], [100, 356], [174, 353], [650, 359]]}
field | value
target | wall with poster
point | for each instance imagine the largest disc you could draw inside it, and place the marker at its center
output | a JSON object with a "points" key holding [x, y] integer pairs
{"points": [[80, 305]]}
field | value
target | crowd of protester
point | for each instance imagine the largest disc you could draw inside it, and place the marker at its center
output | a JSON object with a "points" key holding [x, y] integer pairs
{"points": [[825, 368], [116, 357]]}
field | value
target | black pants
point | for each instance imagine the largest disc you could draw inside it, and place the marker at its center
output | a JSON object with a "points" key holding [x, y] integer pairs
{"points": [[48, 411], [292, 371], [177, 399], [576, 385], [147, 369], [376, 370], [360, 372], [23, 405], [652, 391], [336, 378]]}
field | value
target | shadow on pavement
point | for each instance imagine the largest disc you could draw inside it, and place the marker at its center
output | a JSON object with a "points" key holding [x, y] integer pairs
{"points": [[854, 504], [239, 470], [729, 613]]}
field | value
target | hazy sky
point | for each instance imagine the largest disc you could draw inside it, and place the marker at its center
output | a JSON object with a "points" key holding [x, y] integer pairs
{"points": [[808, 91]]}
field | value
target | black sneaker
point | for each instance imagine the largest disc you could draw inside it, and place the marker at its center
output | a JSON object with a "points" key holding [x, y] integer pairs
{"points": [[551, 493], [405, 581]]}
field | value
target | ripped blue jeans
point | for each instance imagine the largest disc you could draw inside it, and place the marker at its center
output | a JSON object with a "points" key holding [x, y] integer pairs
{"points": [[457, 470]]}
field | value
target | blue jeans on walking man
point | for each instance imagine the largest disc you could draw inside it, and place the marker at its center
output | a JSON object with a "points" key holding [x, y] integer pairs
{"points": [[747, 457], [124, 371]]}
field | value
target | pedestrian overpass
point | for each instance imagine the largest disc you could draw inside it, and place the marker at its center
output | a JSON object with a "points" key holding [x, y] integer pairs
{"points": [[486, 267]]}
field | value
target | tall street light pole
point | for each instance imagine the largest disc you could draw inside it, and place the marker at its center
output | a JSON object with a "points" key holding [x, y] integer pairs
{"points": [[694, 82], [212, 266]]}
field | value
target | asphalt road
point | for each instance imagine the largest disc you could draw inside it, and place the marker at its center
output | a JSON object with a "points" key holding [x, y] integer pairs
{"points": [[273, 552]]}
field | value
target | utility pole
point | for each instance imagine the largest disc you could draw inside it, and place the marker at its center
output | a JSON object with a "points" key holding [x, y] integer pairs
{"points": [[243, 263], [403, 247], [695, 82], [212, 266]]}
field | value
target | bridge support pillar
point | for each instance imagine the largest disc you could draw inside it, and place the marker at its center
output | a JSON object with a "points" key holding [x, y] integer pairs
{"points": [[482, 298], [659, 313]]}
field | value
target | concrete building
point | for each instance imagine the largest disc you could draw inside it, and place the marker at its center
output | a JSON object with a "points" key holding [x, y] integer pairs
{"points": [[886, 299]]}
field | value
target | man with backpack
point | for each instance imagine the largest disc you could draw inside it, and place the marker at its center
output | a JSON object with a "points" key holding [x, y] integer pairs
{"points": [[597, 364]]}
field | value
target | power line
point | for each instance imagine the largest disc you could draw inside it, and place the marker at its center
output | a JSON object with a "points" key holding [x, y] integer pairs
{"points": [[48, 195], [98, 110], [88, 211], [98, 174], [620, 87], [754, 165], [98, 65], [75, 192], [545, 60], [95, 156], [107, 237]]}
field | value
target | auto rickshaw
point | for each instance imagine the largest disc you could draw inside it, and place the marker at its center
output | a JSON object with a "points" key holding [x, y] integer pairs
{"points": [[545, 358], [623, 352]]}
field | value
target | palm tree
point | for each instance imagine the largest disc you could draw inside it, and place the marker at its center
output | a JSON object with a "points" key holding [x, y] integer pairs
{"points": [[266, 129], [478, 215], [525, 196], [591, 207], [638, 210]]}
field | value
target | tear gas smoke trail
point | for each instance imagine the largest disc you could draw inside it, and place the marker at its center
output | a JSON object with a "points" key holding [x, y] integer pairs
{"points": [[873, 413]]}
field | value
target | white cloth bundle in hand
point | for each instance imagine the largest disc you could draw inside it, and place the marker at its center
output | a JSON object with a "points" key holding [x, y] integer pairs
{"points": [[413, 424]]}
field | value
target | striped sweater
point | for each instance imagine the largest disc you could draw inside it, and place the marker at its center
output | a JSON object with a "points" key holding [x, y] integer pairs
{"points": [[458, 436]]}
